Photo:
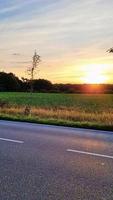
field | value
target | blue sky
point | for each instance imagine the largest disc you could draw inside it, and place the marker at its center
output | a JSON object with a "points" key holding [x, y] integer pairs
{"points": [[70, 35]]}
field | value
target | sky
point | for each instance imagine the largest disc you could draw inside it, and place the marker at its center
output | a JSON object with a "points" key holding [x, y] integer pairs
{"points": [[71, 36]]}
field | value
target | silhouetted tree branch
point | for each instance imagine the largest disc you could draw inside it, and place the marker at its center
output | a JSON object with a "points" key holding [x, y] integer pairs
{"points": [[110, 50]]}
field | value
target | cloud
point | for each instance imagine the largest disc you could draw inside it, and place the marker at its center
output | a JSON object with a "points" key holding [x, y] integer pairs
{"points": [[16, 54], [63, 31], [21, 62]]}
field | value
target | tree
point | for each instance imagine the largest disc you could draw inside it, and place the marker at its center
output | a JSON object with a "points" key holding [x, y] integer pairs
{"points": [[42, 85], [110, 50], [35, 62], [9, 82]]}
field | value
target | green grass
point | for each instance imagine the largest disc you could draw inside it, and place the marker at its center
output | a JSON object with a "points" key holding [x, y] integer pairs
{"points": [[92, 103], [76, 110]]}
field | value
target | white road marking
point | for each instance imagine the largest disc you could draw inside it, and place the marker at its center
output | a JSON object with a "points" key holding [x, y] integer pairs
{"points": [[10, 140], [89, 153]]}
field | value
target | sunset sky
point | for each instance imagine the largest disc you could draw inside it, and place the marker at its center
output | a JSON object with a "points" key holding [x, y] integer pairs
{"points": [[71, 36]]}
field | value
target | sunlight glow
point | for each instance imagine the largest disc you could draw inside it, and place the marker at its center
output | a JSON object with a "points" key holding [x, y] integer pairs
{"points": [[94, 78], [95, 75]]}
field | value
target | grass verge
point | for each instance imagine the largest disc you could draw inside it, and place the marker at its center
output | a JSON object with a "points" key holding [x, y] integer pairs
{"points": [[31, 119]]}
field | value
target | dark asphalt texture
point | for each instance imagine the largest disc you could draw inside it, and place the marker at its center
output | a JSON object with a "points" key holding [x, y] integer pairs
{"points": [[42, 169]]}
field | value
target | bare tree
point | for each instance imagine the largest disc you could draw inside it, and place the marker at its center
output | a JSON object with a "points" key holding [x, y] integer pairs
{"points": [[31, 71], [35, 63]]}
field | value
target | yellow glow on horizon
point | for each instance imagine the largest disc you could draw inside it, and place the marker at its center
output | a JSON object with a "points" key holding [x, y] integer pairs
{"points": [[95, 74], [95, 79]]}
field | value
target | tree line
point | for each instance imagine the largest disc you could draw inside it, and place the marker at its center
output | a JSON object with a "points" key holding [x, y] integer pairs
{"points": [[11, 83]]}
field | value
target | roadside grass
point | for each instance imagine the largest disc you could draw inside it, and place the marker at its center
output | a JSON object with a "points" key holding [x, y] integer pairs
{"points": [[86, 111], [31, 119]]}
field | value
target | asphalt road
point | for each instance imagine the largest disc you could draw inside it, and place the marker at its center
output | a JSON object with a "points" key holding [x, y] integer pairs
{"points": [[39, 162]]}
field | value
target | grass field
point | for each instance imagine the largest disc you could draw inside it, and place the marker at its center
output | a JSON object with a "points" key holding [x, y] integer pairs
{"points": [[78, 110]]}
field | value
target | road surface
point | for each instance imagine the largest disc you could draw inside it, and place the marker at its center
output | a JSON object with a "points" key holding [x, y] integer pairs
{"points": [[40, 162]]}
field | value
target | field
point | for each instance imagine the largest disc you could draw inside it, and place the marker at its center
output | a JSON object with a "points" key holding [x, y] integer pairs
{"points": [[77, 110]]}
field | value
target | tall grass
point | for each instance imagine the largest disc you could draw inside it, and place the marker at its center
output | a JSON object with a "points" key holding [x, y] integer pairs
{"points": [[66, 114]]}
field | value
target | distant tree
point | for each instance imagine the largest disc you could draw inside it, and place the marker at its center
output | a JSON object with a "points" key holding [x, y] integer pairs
{"points": [[42, 85], [64, 88], [9, 82]]}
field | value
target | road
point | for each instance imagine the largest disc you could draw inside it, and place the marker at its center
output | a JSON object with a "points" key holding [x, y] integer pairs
{"points": [[41, 162]]}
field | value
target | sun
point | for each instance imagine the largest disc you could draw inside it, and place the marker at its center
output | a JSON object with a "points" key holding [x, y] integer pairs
{"points": [[95, 75], [95, 78]]}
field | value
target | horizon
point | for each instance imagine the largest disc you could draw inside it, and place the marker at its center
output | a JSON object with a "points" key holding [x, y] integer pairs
{"points": [[66, 83], [71, 38]]}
